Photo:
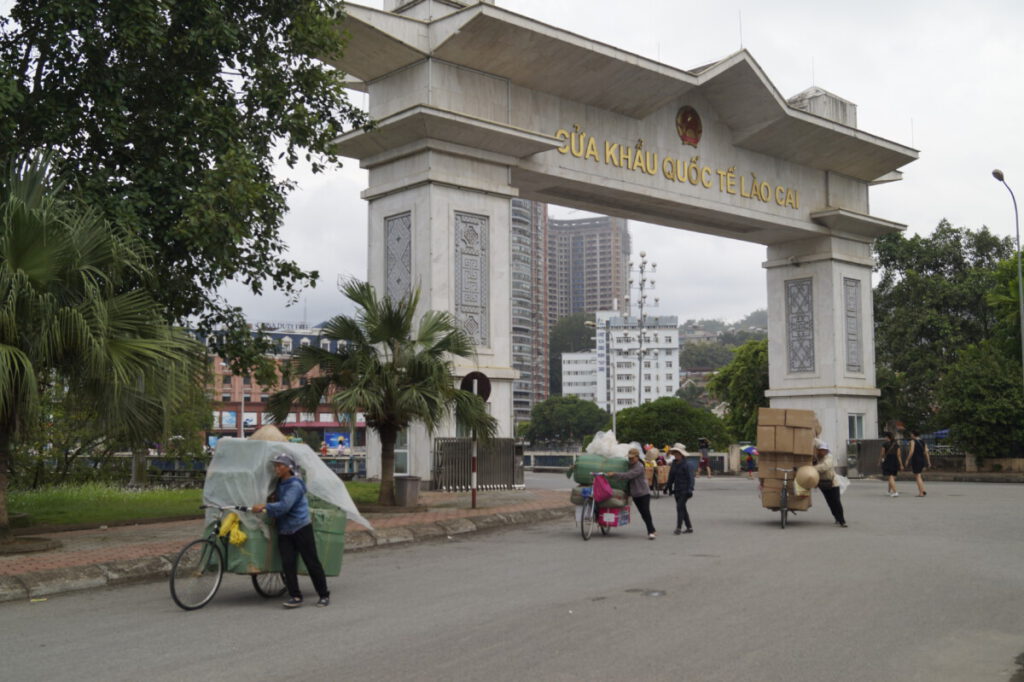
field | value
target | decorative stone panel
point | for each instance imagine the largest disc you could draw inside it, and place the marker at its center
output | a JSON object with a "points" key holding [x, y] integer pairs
{"points": [[854, 342], [800, 325], [398, 241], [472, 275]]}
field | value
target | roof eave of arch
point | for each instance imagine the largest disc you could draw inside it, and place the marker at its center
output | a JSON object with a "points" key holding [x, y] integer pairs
{"points": [[540, 57]]}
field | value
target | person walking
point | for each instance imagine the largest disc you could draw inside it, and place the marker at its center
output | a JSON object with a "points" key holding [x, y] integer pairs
{"points": [[918, 459], [294, 532], [680, 484], [825, 464], [704, 445], [638, 489], [891, 462]]}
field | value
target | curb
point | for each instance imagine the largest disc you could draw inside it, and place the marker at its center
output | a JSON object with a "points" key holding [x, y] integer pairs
{"points": [[39, 584]]}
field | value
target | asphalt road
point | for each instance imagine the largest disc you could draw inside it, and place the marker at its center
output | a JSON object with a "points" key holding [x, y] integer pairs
{"points": [[915, 589]]}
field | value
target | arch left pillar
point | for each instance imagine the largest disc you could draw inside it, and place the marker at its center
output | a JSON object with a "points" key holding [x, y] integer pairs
{"points": [[439, 220]]}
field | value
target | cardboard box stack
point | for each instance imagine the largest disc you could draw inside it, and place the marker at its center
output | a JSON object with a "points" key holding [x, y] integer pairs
{"points": [[785, 441]]}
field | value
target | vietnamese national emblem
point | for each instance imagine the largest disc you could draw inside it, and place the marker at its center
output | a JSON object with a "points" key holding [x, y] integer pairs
{"points": [[688, 125]]}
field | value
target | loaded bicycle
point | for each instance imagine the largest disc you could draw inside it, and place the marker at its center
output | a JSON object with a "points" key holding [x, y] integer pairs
{"points": [[605, 518], [198, 570]]}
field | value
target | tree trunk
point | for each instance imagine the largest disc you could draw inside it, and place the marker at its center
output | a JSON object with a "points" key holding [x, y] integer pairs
{"points": [[138, 479], [388, 436], [6, 535]]}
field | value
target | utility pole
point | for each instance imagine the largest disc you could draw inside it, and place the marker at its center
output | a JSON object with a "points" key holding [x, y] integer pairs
{"points": [[642, 284]]}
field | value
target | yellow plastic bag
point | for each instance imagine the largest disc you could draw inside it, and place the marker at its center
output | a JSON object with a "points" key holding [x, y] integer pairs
{"points": [[232, 528]]}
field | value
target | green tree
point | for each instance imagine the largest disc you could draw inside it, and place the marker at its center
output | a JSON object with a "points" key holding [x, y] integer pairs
{"points": [[930, 303], [742, 385], [565, 419], [704, 356], [169, 117], [70, 318], [981, 403], [758, 319], [569, 335], [666, 421], [1004, 300], [733, 338], [394, 375]]}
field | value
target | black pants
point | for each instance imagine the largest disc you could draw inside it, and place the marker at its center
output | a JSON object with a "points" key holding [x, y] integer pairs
{"points": [[835, 505], [682, 516], [301, 543], [643, 505]]}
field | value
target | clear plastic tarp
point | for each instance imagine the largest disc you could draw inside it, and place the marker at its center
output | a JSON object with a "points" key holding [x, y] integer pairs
{"points": [[604, 443], [241, 473]]}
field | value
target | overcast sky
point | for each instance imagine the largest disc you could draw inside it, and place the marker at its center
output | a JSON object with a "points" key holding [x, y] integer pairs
{"points": [[946, 78]]}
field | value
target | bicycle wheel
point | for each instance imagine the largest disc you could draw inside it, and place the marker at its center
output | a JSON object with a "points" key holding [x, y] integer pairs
{"points": [[587, 518], [268, 585], [196, 574], [604, 529], [784, 506]]}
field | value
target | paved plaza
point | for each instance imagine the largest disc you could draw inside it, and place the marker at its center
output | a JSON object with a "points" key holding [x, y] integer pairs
{"points": [[914, 589]]}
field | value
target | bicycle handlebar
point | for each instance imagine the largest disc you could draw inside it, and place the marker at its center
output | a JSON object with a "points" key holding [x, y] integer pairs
{"points": [[228, 507]]}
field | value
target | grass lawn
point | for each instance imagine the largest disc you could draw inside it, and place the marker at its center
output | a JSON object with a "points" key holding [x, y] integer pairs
{"points": [[100, 504]]}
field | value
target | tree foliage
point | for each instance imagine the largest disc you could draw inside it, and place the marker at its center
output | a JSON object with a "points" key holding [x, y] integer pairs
{"points": [[666, 421], [565, 419], [930, 304], [704, 356], [981, 400], [742, 384], [169, 116], [394, 371], [569, 335], [72, 320]]}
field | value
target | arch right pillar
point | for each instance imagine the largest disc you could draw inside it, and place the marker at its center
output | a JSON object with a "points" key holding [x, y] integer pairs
{"points": [[821, 349]]}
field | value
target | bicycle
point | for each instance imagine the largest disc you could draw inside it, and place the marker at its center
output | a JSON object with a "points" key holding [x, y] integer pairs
{"points": [[784, 496], [589, 515], [198, 569]]}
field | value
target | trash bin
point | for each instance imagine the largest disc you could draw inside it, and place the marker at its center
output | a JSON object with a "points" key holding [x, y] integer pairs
{"points": [[407, 491]]}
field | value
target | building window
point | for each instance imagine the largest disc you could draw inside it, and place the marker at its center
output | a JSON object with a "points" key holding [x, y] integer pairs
{"points": [[855, 423]]}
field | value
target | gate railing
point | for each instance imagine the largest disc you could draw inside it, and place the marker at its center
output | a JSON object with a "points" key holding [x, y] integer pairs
{"points": [[499, 464]]}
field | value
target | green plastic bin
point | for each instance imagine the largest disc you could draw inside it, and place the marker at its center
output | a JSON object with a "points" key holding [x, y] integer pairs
{"points": [[259, 554], [589, 463]]}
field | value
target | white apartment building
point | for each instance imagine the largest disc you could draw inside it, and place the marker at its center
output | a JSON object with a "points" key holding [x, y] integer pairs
{"points": [[579, 376], [628, 367]]}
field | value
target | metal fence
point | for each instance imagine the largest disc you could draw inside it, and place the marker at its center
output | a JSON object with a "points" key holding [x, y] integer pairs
{"points": [[499, 464], [865, 454]]}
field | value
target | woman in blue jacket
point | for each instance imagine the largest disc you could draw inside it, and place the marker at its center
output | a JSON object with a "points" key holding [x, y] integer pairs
{"points": [[294, 532]]}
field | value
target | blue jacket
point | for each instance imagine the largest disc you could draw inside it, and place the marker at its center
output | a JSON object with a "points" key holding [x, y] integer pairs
{"points": [[680, 479], [292, 508]]}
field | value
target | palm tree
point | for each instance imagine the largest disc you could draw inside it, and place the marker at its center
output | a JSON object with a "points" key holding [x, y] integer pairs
{"points": [[73, 315], [394, 376]]}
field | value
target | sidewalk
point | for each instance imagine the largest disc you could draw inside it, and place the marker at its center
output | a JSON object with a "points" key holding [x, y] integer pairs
{"points": [[124, 554]]}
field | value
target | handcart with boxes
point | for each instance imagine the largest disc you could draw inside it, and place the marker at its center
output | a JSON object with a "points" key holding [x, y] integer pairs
{"points": [[785, 443]]}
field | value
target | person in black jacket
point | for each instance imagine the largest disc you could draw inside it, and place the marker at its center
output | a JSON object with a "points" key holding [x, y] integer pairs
{"points": [[680, 484]]}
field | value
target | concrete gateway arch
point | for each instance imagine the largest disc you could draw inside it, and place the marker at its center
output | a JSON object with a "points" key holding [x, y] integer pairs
{"points": [[476, 105]]}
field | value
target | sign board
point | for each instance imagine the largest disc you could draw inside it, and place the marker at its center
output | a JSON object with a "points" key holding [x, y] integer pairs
{"points": [[477, 382]]}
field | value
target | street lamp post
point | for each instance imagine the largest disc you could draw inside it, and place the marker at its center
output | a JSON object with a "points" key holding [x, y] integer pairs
{"points": [[998, 175]]}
